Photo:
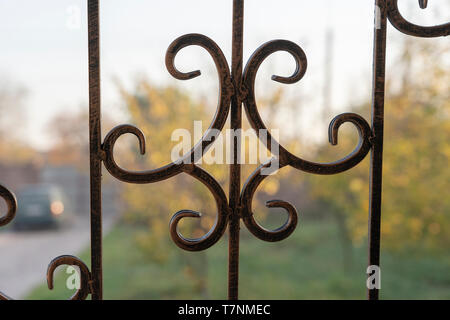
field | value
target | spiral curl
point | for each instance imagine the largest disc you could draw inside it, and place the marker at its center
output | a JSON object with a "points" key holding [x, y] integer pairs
{"points": [[252, 225], [186, 163], [84, 290], [140, 177], [226, 90], [85, 275], [11, 204], [284, 157], [403, 25], [220, 225]]}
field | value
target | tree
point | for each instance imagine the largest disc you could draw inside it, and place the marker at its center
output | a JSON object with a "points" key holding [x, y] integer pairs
{"points": [[415, 208], [14, 149], [70, 135], [158, 111]]}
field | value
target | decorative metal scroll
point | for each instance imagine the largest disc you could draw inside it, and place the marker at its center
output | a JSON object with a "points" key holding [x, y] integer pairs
{"points": [[236, 88]]}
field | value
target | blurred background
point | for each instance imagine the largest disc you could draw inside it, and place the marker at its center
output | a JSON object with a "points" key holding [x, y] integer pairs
{"points": [[44, 155]]}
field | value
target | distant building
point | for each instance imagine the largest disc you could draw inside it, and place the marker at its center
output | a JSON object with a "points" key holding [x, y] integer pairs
{"points": [[15, 177], [72, 182]]}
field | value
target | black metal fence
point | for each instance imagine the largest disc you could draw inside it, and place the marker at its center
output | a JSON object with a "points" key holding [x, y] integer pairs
{"points": [[236, 90]]}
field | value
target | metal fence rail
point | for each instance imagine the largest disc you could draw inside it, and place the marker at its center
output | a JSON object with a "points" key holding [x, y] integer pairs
{"points": [[236, 85]]}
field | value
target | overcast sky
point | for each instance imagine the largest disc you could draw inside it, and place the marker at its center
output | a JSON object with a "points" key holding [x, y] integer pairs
{"points": [[44, 47]]}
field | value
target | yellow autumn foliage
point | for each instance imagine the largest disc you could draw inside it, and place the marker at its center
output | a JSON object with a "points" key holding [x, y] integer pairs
{"points": [[416, 178]]}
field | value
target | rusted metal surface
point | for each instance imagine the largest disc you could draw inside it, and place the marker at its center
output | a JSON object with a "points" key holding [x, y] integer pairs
{"points": [[235, 168], [11, 204], [403, 25], [376, 156], [385, 9], [85, 276], [95, 151], [236, 88]]}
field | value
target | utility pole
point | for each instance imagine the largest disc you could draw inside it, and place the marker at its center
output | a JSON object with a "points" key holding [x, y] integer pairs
{"points": [[328, 75]]}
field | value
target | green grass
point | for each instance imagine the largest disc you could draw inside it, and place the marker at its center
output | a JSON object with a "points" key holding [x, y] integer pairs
{"points": [[308, 265]]}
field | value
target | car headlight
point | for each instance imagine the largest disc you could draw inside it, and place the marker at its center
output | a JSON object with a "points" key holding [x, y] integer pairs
{"points": [[57, 208]]}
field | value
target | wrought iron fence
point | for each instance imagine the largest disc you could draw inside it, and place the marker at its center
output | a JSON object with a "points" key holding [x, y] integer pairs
{"points": [[236, 85]]}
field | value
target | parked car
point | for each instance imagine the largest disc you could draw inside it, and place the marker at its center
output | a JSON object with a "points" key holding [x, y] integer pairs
{"points": [[40, 206]]}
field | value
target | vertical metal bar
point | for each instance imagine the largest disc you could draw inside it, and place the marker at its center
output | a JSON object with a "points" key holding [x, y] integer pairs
{"points": [[235, 169], [95, 149], [376, 159]]}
